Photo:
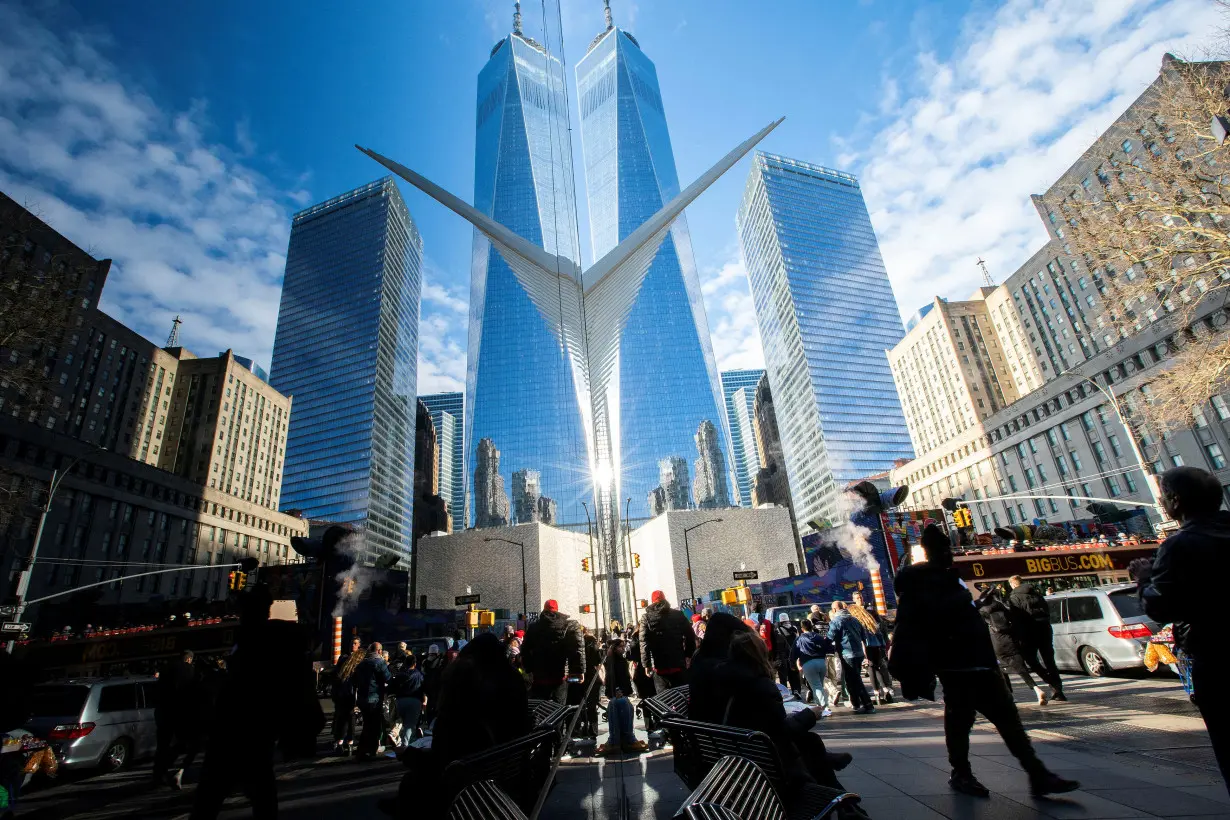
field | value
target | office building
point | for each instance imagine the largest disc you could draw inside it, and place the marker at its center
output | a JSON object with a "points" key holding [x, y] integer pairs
{"points": [[521, 388], [827, 315], [430, 508], [667, 380], [491, 507], [448, 417], [346, 350], [739, 390]]}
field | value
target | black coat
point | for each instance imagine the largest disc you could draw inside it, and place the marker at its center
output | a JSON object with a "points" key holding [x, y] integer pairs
{"points": [[938, 629], [618, 676], [553, 649], [1187, 566], [785, 635], [667, 639], [1030, 612], [177, 693], [1005, 633]]}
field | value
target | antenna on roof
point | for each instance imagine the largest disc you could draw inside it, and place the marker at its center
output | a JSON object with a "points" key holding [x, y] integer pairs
{"points": [[985, 273], [517, 18], [610, 24], [173, 339]]}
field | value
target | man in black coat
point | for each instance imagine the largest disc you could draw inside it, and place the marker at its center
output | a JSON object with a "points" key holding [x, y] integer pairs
{"points": [[1176, 589], [667, 643], [939, 632], [174, 719], [1006, 638], [553, 653], [1031, 616]]}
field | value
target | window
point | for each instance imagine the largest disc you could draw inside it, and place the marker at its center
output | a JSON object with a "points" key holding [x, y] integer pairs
{"points": [[1063, 431], [1131, 482], [1223, 411], [1215, 456], [118, 698], [1086, 491], [1177, 459], [1054, 506], [1113, 484], [1114, 445], [1087, 420], [1051, 438], [1073, 502], [1042, 474], [1029, 477], [1084, 608], [1012, 483], [1199, 417], [1099, 453], [1062, 464], [1021, 509], [1076, 460]]}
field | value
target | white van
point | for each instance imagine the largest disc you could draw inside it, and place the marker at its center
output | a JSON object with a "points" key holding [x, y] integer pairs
{"points": [[1100, 630]]}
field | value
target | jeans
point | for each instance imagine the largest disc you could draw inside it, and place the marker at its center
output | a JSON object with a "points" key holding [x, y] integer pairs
{"points": [[619, 716], [343, 722], [877, 657], [1208, 676], [966, 694], [409, 709], [852, 671], [815, 670]]}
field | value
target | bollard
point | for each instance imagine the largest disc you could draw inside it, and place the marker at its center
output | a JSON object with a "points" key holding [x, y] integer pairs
{"points": [[877, 590], [337, 639]]}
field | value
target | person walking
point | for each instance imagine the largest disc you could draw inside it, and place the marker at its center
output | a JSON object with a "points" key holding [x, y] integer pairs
{"points": [[876, 646], [848, 636], [667, 643], [174, 721], [584, 694], [342, 695], [1175, 589], [552, 653], [1004, 638], [433, 673], [785, 635], [370, 681], [617, 681], [407, 687], [1031, 616], [810, 653], [939, 633]]}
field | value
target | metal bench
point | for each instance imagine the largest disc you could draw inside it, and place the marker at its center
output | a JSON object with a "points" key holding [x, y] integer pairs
{"points": [[700, 747], [484, 801], [519, 768], [671, 703]]}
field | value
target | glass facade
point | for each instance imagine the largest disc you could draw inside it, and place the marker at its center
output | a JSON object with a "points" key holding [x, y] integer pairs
{"points": [[739, 390], [448, 417], [669, 405], [521, 388], [347, 350], [827, 315]]}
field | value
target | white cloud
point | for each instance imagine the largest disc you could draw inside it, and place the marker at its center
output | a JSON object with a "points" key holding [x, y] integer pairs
{"points": [[442, 358], [947, 170], [732, 316], [192, 230]]}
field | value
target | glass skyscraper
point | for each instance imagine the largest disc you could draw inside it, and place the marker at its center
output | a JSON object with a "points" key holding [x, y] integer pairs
{"points": [[522, 395], [827, 315], [667, 378], [448, 417], [739, 390], [347, 350]]}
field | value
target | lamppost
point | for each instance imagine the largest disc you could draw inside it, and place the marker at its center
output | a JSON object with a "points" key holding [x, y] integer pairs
{"points": [[525, 587], [593, 570], [688, 552], [27, 571]]}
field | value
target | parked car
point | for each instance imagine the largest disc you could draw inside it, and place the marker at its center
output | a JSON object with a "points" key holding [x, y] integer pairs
{"points": [[96, 722], [1100, 630]]}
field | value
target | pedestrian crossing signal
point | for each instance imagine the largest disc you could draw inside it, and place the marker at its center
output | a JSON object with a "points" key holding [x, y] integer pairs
{"points": [[584, 565], [587, 608]]}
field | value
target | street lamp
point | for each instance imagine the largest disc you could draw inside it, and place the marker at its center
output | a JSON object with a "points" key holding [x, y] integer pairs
{"points": [[27, 572], [688, 553], [593, 569], [525, 587]]}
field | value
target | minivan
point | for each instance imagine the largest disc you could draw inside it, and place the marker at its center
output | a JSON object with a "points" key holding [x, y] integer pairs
{"points": [[96, 722], [1100, 630]]}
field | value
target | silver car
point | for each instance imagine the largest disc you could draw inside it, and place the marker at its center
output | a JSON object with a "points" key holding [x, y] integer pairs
{"points": [[1100, 630], [92, 722]]}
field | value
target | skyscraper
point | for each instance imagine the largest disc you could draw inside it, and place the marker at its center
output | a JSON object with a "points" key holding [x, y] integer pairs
{"points": [[521, 388], [448, 417], [347, 351], [827, 315], [739, 390], [490, 500], [668, 385]]}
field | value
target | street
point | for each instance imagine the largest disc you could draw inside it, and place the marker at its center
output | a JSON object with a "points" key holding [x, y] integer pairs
{"points": [[1136, 744]]}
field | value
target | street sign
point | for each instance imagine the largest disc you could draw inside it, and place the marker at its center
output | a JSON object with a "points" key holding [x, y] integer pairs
{"points": [[14, 628], [5, 611], [462, 600], [746, 575]]}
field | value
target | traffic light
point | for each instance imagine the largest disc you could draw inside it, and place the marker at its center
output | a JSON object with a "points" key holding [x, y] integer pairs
{"points": [[730, 596], [743, 595], [237, 580], [642, 603], [486, 617], [587, 608], [636, 560], [584, 565], [962, 517]]}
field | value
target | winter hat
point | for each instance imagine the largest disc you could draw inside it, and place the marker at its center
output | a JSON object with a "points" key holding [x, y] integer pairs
{"points": [[434, 649], [520, 633], [934, 541], [550, 606], [658, 595], [697, 618]]}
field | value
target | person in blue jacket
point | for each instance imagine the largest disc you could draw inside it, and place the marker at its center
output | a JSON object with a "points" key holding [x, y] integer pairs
{"points": [[811, 651], [370, 680], [848, 636]]}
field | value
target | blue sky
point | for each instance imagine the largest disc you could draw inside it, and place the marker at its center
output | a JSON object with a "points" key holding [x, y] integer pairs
{"points": [[179, 138]]}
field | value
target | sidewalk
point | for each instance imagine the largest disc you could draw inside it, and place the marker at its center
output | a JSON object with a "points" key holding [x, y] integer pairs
{"points": [[1137, 746]]}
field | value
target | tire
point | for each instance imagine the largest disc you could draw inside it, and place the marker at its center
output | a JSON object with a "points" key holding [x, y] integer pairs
{"points": [[1092, 663], [117, 756]]}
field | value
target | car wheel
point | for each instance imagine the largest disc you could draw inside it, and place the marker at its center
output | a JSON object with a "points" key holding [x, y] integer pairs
{"points": [[118, 754], [1092, 663]]}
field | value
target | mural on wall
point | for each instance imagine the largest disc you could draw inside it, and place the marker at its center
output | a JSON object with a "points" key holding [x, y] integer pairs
{"points": [[831, 576]]}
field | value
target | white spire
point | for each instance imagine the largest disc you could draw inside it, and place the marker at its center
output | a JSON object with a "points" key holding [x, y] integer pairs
{"points": [[517, 18], [610, 24]]}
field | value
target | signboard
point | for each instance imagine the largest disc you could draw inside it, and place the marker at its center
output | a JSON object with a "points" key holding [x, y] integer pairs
{"points": [[14, 628], [903, 529], [463, 600], [746, 575], [1044, 563]]}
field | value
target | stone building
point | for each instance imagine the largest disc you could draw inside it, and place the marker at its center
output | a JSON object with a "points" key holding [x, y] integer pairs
{"points": [[710, 490], [490, 501]]}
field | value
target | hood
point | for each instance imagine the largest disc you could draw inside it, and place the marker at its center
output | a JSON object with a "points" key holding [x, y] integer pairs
{"points": [[657, 610], [811, 643], [1026, 588], [553, 618], [915, 577]]}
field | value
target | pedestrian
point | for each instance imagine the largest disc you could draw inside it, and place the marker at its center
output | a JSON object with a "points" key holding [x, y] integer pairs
{"points": [[876, 646], [698, 626], [667, 643], [848, 636], [616, 670], [407, 687], [342, 695], [1005, 640], [785, 634], [587, 694], [370, 681], [553, 652], [620, 713], [810, 652], [174, 720], [939, 632], [1031, 616], [1176, 589], [433, 674], [397, 656]]}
